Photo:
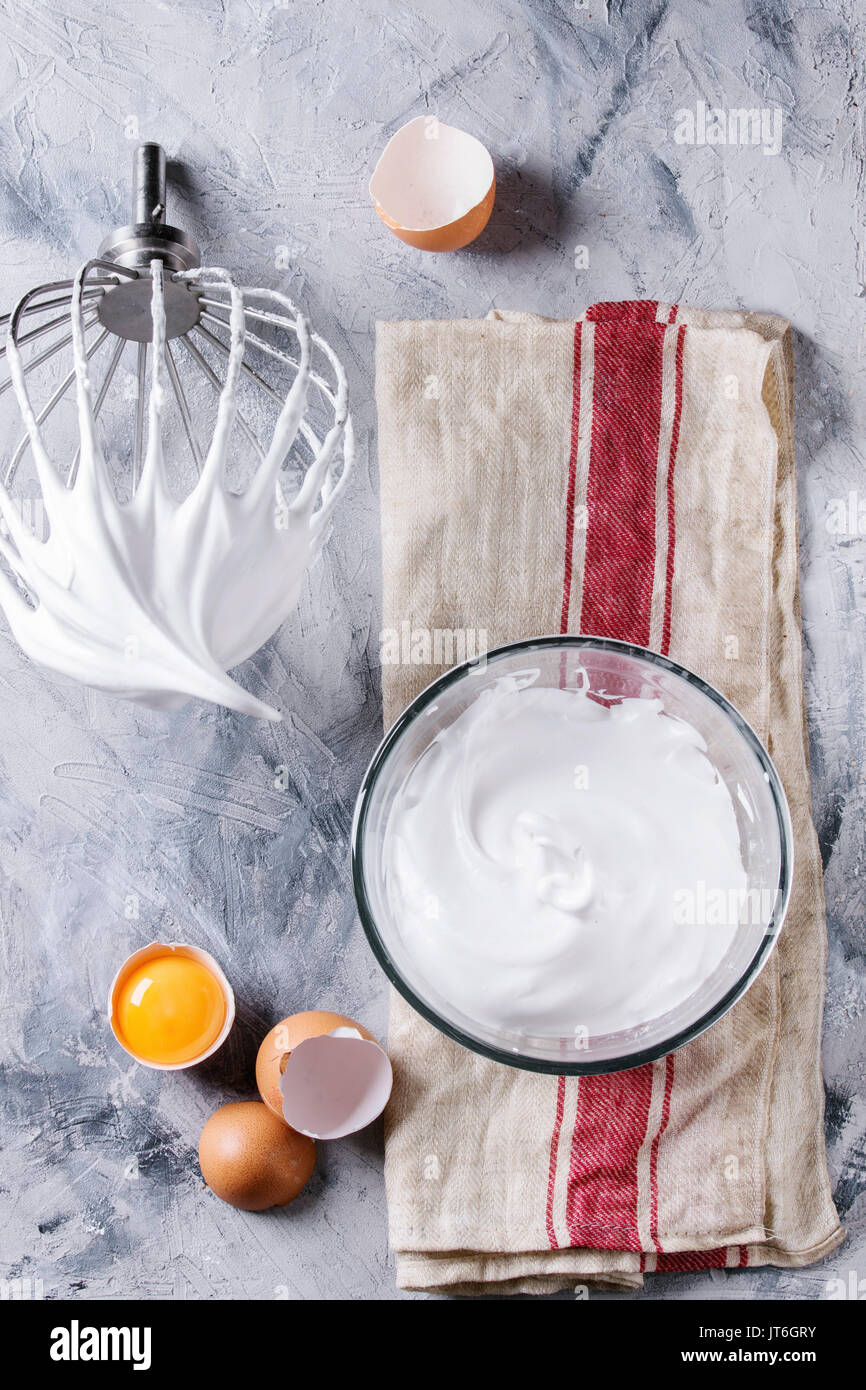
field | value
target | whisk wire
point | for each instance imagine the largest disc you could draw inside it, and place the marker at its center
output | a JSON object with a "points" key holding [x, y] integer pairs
{"points": [[307, 431], [46, 410], [140, 410], [98, 403], [183, 407], [210, 375], [37, 361]]}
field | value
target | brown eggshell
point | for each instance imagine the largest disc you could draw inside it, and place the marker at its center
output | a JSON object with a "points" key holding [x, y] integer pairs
{"points": [[454, 235], [434, 185], [280, 1041], [252, 1160]]}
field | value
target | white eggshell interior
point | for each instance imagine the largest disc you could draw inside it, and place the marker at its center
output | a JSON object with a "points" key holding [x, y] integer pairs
{"points": [[335, 1084], [430, 174]]}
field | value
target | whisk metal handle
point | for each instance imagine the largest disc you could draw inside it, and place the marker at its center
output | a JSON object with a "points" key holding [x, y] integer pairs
{"points": [[148, 237], [148, 184]]}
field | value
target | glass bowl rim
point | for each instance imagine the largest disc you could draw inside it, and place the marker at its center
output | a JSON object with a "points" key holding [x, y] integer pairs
{"points": [[550, 1066]]}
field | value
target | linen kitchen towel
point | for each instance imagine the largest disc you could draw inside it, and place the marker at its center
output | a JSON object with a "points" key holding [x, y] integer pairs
{"points": [[629, 475]]}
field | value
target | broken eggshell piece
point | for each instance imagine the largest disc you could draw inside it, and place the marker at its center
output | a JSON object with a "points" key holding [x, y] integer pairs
{"points": [[323, 1074], [434, 185], [335, 1084]]}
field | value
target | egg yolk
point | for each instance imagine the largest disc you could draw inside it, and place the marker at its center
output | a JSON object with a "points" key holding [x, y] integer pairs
{"points": [[170, 1009]]}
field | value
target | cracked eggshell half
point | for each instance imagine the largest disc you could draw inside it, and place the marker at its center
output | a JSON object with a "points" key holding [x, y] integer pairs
{"points": [[323, 1074], [434, 185]]}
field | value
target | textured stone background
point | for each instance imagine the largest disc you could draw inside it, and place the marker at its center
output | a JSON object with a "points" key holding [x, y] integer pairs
{"points": [[277, 112]]}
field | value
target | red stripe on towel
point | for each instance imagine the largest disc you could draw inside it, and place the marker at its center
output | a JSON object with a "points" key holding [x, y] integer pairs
{"points": [[609, 1128], [688, 1260], [572, 482], [613, 1111], [621, 488], [672, 530], [563, 627], [665, 645], [624, 311], [554, 1152], [654, 1151]]}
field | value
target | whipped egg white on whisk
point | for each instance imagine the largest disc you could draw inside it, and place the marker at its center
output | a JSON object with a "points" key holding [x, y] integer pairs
{"points": [[157, 597], [536, 854]]}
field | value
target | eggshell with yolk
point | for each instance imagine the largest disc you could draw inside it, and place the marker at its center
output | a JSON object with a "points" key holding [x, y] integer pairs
{"points": [[155, 950]]}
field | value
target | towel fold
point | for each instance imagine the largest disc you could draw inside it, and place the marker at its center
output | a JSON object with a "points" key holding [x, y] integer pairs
{"points": [[629, 475]]}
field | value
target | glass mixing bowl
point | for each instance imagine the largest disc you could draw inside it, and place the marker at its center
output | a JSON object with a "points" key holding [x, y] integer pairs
{"points": [[613, 670]]}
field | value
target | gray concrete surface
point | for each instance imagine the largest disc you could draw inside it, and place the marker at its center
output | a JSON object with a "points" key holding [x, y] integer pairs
{"points": [[277, 112]]}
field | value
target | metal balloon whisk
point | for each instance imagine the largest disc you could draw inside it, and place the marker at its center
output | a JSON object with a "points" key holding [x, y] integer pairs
{"points": [[201, 407]]}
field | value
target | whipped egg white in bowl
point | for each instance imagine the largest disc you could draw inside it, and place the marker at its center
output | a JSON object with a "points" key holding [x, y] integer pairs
{"points": [[571, 855]]}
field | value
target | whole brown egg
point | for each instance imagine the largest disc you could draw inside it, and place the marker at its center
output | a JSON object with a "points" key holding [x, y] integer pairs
{"points": [[253, 1160]]}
